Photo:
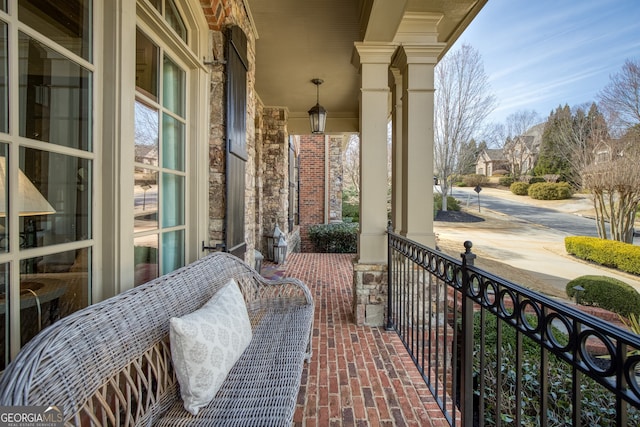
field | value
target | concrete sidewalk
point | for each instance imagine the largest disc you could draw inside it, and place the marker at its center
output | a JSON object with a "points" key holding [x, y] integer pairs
{"points": [[529, 255]]}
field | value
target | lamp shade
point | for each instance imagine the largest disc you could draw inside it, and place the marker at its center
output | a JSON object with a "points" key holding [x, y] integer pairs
{"points": [[30, 200], [317, 113], [317, 118]]}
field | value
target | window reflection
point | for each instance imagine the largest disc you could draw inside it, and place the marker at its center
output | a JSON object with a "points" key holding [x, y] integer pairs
{"points": [[173, 18], [147, 57], [4, 316], [145, 195], [57, 286], [146, 136], [68, 23], [55, 198], [4, 73], [55, 97], [146, 258]]}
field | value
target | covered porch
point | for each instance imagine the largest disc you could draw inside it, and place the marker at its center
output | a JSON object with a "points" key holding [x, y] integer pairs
{"points": [[358, 376]]}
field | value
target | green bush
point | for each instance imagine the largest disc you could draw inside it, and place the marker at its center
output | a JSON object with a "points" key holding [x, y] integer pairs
{"points": [[595, 407], [350, 212], [550, 191], [519, 188], [341, 238], [474, 179], [536, 179], [606, 292], [506, 181], [452, 203], [610, 253]]}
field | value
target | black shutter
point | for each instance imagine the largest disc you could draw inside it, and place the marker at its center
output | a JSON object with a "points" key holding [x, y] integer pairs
{"points": [[236, 140]]}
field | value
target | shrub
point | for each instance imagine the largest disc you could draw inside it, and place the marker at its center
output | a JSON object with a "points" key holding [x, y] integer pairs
{"points": [[606, 292], [550, 191], [339, 238], [611, 253], [519, 188], [506, 181], [473, 180], [536, 179], [350, 212], [595, 407], [452, 203]]}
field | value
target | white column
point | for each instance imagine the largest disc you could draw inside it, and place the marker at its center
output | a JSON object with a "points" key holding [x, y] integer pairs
{"points": [[416, 65], [373, 61], [395, 82]]}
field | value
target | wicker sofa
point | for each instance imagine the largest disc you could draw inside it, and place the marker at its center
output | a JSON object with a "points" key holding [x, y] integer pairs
{"points": [[110, 363]]}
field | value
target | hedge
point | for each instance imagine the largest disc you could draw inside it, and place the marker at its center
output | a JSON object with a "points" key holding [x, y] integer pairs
{"points": [[610, 253], [550, 191], [519, 188], [452, 203], [341, 238], [606, 292]]}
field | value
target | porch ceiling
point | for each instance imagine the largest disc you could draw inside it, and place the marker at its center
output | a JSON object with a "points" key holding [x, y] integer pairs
{"points": [[301, 40]]}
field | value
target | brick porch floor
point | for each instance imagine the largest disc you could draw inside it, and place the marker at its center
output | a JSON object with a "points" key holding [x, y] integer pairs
{"points": [[358, 376]]}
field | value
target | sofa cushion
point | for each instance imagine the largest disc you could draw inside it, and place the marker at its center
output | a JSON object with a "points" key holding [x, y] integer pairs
{"points": [[207, 343]]}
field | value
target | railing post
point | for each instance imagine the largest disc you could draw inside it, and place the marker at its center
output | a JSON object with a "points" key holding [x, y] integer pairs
{"points": [[466, 371], [389, 326]]}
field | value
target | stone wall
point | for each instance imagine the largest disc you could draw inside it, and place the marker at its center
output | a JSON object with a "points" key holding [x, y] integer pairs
{"points": [[274, 171], [369, 294], [335, 178], [221, 14]]}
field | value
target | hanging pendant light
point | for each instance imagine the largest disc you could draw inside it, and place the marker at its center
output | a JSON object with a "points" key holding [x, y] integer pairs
{"points": [[317, 114]]}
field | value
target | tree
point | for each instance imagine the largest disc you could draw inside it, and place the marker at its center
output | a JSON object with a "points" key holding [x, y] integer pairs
{"points": [[462, 103], [351, 168], [517, 150], [620, 99], [615, 186], [569, 140]]}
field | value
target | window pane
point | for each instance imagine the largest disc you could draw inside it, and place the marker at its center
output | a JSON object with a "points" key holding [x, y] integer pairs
{"points": [[146, 134], [145, 193], [68, 23], [157, 4], [172, 251], [147, 56], [4, 72], [172, 143], [55, 198], [3, 5], [175, 21], [146, 258], [172, 200], [173, 87], [4, 202], [58, 286], [4, 316], [55, 97]]}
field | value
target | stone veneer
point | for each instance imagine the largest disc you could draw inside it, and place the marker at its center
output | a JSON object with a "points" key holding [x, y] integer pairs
{"points": [[369, 294], [220, 15]]}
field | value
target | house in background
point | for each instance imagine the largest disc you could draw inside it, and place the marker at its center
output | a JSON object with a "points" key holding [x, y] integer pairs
{"points": [[138, 135], [491, 160]]}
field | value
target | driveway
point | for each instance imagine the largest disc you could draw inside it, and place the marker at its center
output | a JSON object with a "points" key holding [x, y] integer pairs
{"points": [[520, 251]]}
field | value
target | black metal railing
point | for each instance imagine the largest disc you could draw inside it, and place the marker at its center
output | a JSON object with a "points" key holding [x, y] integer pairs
{"points": [[494, 353]]}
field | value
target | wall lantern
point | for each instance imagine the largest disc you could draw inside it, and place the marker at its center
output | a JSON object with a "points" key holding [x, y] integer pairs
{"points": [[280, 250], [272, 241], [317, 114]]}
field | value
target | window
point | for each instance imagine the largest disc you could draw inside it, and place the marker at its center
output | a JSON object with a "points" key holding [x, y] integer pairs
{"points": [[46, 166], [160, 173]]}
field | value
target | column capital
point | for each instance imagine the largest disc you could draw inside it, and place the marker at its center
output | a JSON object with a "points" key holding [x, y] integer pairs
{"points": [[372, 53], [417, 54]]}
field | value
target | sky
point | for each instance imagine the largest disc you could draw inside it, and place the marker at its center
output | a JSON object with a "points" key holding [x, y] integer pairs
{"points": [[539, 54]]}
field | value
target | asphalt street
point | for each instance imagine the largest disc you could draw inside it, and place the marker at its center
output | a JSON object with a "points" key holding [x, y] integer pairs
{"points": [[527, 235]]}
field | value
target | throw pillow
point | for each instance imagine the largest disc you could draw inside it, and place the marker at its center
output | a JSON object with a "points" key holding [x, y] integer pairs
{"points": [[207, 343]]}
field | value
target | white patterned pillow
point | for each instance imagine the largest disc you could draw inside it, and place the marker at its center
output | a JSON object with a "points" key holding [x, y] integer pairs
{"points": [[207, 343]]}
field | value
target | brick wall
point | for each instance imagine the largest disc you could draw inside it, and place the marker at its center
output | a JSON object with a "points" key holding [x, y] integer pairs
{"points": [[312, 185]]}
